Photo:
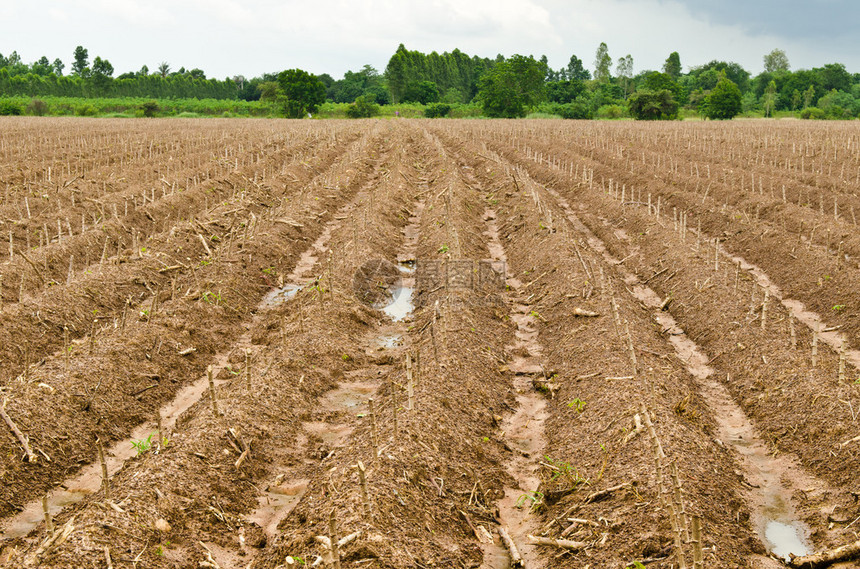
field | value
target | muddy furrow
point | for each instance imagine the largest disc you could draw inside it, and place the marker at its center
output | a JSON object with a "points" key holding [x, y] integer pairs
{"points": [[591, 383], [810, 255], [145, 263], [323, 323], [434, 472], [109, 386], [722, 310]]}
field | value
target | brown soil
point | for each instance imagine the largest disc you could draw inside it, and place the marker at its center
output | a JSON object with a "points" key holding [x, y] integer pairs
{"points": [[525, 405]]}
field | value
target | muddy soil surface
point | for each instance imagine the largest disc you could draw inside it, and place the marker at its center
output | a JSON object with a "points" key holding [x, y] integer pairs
{"points": [[435, 343]]}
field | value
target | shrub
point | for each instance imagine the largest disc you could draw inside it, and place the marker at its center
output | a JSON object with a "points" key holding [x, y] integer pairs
{"points": [[37, 107], [436, 110], [85, 110], [610, 112], [724, 102], [10, 108], [150, 108], [649, 105], [574, 111], [813, 113], [363, 107]]}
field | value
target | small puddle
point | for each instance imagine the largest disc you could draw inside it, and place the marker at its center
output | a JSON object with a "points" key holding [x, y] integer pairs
{"points": [[784, 540], [401, 305], [280, 295], [390, 341], [351, 397]]}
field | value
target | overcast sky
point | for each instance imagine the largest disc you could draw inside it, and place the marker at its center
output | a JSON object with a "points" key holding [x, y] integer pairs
{"points": [[250, 37]]}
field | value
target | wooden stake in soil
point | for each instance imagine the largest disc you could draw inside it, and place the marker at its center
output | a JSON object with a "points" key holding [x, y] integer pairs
{"points": [[160, 432], [409, 381], [815, 347], [49, 523], [764, 309], [630, 347], [698, 557], [105, 479], [679, 502], [792, 332], [212, 394], [365, 495], [17, 432], [658, 454], [373, 435], [248, 368], [394, 409], [332, 530]]}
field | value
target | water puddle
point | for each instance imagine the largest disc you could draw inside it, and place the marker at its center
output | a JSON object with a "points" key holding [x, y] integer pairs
{"points": [[390, 341], [784, 540], [401, 305], [280, 295], [350, 397]]}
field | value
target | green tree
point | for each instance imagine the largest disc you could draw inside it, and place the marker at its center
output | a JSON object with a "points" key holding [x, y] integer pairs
{"points": [[363, 107], [423, 92], [58, 66], [769, 99], [776, 62], [101, 75], [724, 101], [808, 97], [512, 86], [163, 69], [302, 92], [576, 71], [81, 62], [602, 63], [646, 104], [624, 70], [796, 99], [672, 66]]}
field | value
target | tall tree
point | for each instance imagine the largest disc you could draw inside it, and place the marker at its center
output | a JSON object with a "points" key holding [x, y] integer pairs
{"points": [[512, 86], [672, 66], [81, 62], [163, 69], [576, 70], [602, 63], [776, 62], [58, 66], [302, 92], [724, 102], [624, 70], [101, 75], [769, 99]]}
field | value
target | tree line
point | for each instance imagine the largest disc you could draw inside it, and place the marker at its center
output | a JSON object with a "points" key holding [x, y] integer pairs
{"points": [[500, 87]]}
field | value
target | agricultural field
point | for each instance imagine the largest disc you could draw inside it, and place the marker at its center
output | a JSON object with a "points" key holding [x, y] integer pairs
{"points": [[414, 343]]}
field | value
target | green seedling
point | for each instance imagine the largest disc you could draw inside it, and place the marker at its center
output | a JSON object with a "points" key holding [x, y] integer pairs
{"points": [[212, 297], [565, 470], [534, 499], [577, 403], [143, 445], [444, 249], [839, 307]]}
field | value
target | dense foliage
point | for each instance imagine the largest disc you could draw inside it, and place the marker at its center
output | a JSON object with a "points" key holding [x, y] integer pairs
{"points": [[462, 84]]}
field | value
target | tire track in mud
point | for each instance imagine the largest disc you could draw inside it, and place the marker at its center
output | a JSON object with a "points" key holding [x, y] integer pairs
{"points": [[89, 478]]}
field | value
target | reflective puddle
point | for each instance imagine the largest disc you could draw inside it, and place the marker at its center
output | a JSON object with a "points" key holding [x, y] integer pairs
{"points": [[401, 304], [280, 295], [784, 539]]}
